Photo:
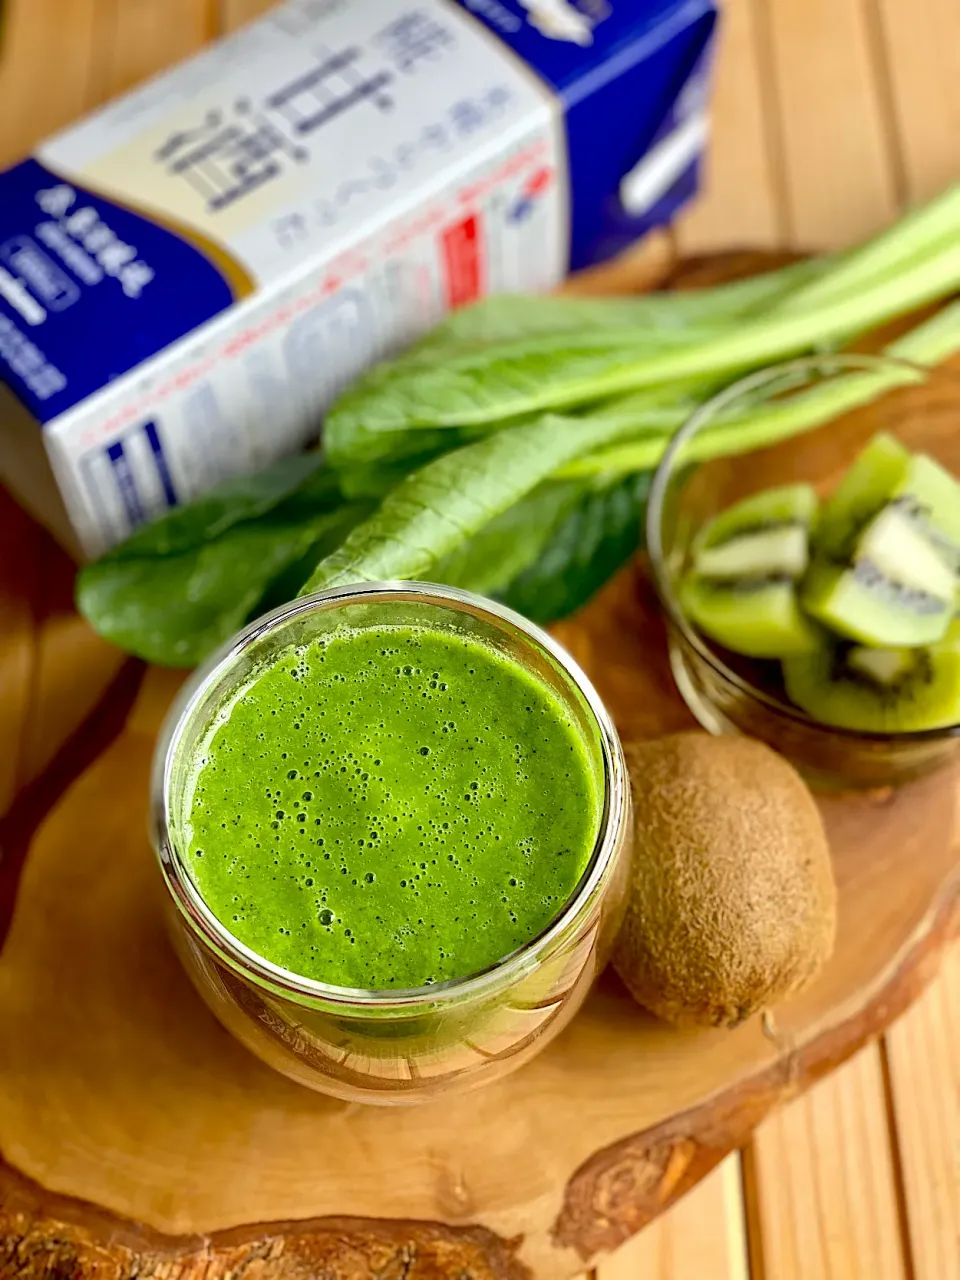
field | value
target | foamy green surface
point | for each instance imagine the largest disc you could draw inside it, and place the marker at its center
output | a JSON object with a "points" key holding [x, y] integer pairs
{"points": [[392, 807]]}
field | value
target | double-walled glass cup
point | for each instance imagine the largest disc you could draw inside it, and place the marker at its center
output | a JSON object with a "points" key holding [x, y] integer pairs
{"points": [[394, 1046]]}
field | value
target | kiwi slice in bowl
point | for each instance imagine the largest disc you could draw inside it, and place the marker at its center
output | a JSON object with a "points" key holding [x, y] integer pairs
{"points": [[929, 497], [893, 690], [885, 473], [896, 589], [759, 618], [788, 509], [867, 487], [741, 589], [886, 551]]}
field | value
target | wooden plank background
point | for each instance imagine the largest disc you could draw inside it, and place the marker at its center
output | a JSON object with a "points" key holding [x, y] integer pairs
{"points": [[830, 116]]}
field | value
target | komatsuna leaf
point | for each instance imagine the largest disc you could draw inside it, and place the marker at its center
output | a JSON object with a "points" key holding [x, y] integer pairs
{"points": [[483, 389], [175, 609], [593, 538], [507, 317], [490, 560], [171, 600], [547, 555], [410, 452], [756, 421], [563, 372], [517, 320], [652, 411], [440, 507]]}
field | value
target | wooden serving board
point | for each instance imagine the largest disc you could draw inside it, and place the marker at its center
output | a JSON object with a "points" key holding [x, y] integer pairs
{"points": [[138, 1138]]}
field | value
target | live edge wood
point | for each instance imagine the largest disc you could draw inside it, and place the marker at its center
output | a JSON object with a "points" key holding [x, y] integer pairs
{"points": [[138, 1140]]}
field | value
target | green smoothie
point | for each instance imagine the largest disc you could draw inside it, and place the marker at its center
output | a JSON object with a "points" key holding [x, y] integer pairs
{"points": [[392, 807]]}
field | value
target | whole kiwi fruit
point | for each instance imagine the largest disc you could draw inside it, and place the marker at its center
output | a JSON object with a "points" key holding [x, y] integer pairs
{"points": [[733, 903]]}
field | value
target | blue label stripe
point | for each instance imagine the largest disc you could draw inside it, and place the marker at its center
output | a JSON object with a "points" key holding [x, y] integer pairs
{"points": [[160, 460], [126, 484]]}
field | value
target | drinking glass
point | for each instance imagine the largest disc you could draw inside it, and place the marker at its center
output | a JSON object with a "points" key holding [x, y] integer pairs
{"points": [[394, 1046]]}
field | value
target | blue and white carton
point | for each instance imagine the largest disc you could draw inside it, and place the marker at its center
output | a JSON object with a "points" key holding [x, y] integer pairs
{"points": [[190, 275]]}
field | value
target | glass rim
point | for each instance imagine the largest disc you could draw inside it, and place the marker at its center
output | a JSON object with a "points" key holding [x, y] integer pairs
{"points": [[826, 363], [245, 961]]}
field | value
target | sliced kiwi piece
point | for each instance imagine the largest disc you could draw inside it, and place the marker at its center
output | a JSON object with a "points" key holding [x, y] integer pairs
{"points": [[878, 690], [886, 550], [790, 505], [930, 497], [868, 486], [745, 563], [782, 551], [897, 590], [760, 618], [894, 545], [884, 474]]}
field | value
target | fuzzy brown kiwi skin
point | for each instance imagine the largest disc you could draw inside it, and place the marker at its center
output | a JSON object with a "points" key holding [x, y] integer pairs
{"points": [[733, 900]]}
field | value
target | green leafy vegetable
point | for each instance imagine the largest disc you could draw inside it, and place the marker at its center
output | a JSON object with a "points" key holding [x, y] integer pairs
{"points": [[927, 344], [527, 327], [906, 242], [180, 587], [504, 382], [484, 388], [552, 551], [508, 317], [548, 554], [507, 545], [235, 500], [174, 609], [436, 509], [510, 451], [374, 478], [596, 535]]}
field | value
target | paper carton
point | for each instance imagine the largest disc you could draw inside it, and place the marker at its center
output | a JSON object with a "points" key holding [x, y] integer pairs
{"points": [[189, 276]]}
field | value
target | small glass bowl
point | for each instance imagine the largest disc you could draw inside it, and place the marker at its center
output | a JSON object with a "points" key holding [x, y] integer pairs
{"points": [[390, 1046], [865, 394]]}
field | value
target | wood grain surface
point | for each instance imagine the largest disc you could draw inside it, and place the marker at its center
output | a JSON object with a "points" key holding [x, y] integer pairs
{"points": [[782, 166], [826, 1188], [704, 1235], [121, 1093]]}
